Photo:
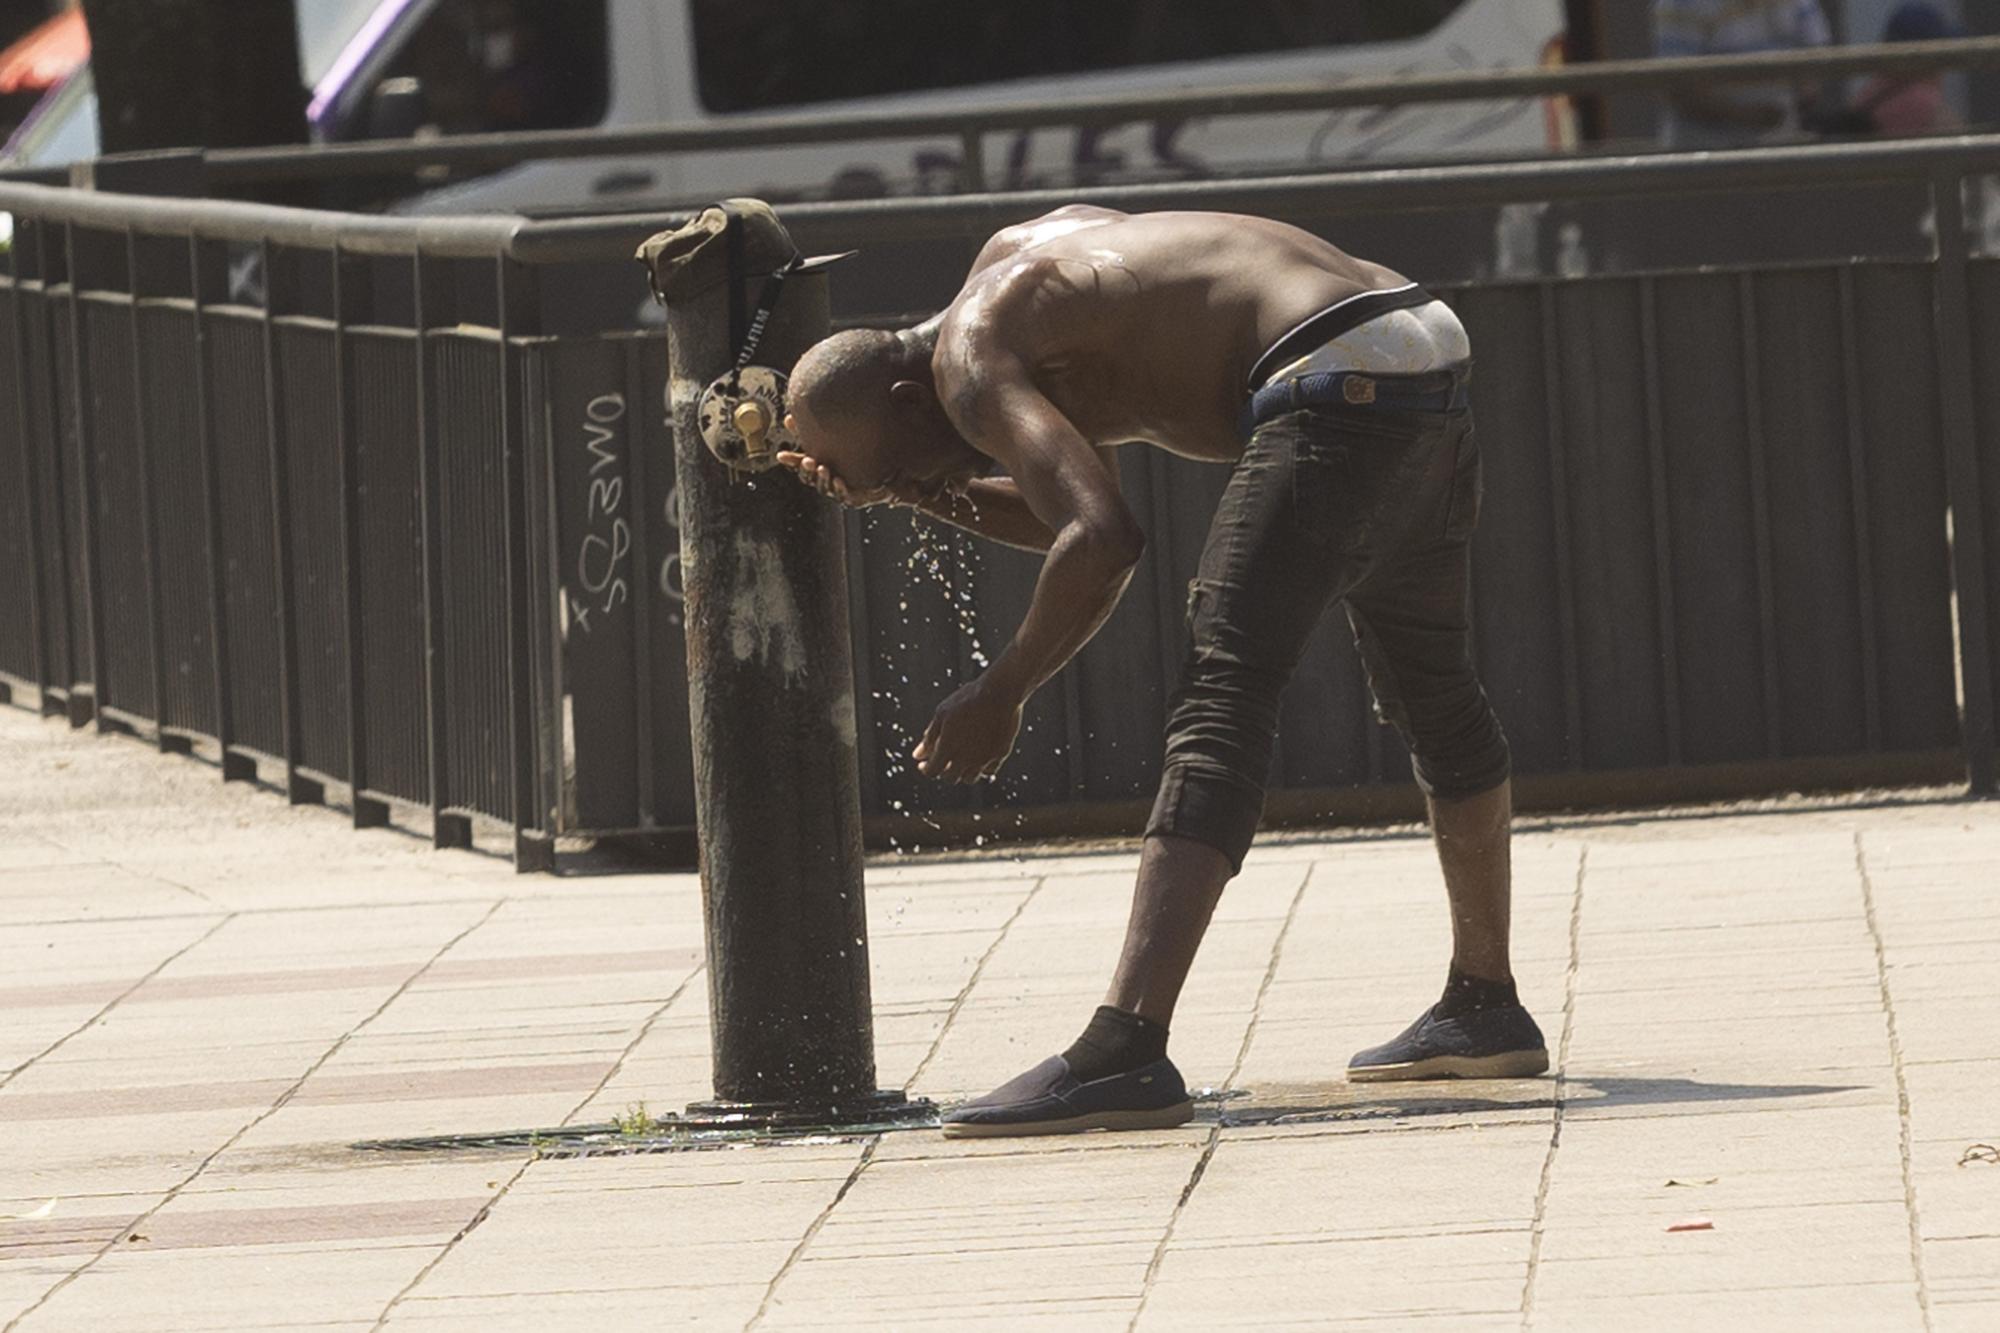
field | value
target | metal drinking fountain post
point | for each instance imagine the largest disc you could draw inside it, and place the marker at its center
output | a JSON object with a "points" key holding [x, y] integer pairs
{"points": [[770, 688]]}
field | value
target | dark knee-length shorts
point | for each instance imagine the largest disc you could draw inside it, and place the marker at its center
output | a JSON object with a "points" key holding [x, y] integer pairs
{"points": [[1369, 507]]}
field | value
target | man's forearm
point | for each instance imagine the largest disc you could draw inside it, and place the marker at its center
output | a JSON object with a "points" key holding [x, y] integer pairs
{"points": [[992, 509], [1080, 584]]}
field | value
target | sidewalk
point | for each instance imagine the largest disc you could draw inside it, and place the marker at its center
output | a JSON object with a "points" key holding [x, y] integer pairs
{"points": [[1785, 1022]]}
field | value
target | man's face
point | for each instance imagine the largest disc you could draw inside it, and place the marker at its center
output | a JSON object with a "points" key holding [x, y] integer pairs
{"points": [[889, 450], [854, 449]]}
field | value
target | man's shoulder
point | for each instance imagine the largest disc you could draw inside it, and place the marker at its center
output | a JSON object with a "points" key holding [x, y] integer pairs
{"points": [[990, 309]]}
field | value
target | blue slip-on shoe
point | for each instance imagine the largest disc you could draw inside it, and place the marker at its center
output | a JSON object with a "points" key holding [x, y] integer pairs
{"points": [[1048, 1099], [1484, 1043]]}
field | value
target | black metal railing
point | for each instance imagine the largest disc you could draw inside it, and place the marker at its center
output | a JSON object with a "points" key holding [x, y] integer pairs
{"points": [[367, 502]]}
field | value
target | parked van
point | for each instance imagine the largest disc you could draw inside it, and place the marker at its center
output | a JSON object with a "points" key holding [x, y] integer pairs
{"points": [[391, 68]]}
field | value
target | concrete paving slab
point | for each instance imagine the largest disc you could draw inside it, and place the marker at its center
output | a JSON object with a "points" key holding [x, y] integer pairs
{"points": [[1785, 1021]]}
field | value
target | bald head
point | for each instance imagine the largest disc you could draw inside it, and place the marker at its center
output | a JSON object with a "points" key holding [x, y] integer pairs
{"points": [[844, 380]]}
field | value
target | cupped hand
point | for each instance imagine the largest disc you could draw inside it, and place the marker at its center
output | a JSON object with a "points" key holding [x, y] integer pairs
{"points": [[971, 734], [828, 483]]}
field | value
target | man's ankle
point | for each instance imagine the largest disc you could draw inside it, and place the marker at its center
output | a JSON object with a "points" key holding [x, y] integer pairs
{"points": [[1115, 1042], [1466, 993]]}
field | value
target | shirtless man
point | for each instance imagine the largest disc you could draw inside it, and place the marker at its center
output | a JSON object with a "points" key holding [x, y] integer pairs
{"points": [[1335, 390]]}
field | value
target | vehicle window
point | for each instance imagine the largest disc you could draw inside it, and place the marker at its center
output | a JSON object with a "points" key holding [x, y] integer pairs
{"points": [[481, 66], [752, 54], [326, 26]]}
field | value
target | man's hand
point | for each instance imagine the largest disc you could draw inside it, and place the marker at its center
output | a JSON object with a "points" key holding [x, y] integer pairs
{"points": [[828, 483], [971, 734]]}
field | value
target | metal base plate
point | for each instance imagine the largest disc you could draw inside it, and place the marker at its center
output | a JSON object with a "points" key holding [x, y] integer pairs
{"points": [[872, 1109], [707, 1125]]}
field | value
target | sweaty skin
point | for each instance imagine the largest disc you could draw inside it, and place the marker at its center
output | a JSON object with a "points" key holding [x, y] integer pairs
{"points": [[1136, 328], [1074, 333]]}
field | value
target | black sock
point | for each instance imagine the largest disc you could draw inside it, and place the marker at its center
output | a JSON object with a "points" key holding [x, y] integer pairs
{"points": [[1115, 1043], [1464, 994]]}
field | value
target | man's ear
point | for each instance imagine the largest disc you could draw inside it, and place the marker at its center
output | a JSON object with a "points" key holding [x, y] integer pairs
{"points": [[909, 394]]}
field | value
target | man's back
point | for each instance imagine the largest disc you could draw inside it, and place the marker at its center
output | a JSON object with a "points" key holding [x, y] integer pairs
{"points": [[1143, 327]]}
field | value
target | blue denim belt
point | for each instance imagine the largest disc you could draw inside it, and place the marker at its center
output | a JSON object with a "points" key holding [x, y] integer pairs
{"points": [[1437, 391]]}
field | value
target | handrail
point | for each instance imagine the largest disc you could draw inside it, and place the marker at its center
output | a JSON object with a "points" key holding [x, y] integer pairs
{"points": [[473, 236], [321, 161], [1403, 189]]}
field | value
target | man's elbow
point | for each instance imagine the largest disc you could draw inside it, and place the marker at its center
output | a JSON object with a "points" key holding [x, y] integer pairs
{"points": [[1118, 543]]}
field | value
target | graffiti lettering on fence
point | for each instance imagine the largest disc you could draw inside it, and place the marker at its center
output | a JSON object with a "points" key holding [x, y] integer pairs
{"points": [[607, 541]]}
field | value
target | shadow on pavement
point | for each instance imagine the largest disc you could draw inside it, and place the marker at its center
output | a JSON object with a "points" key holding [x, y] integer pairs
{"points": [[1328, 1103]]}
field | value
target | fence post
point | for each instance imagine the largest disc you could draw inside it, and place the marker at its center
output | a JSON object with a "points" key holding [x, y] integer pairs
{"points": [[517, 314], [81, 709], [1953, 317], [31, 492], [770, 696], [447, 829]]}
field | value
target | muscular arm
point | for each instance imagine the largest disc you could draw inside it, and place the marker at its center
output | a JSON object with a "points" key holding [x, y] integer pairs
{"points": [[994, 509], [1069, 489]]}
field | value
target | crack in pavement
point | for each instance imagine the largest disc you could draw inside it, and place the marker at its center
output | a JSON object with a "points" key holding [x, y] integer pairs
{"points": [[1215, 1133], [277, 1105], [506, 1187], [115, 1001], [1902, 1083], [978, 970], [1537, 1226], [784, 1269]]}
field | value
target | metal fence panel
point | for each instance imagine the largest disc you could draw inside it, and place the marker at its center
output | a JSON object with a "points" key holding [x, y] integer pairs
{"points": [[48, 428], [1985, 280], [1812, 514], [69, 493], [656, 587], [124, 679], [247, 543], [1613, 525], [18, 655], [1906, 607], [382, 399], [1713, 448], [1521, 566], [180, 520], [585, 411], [308, 430], [472, 506]]}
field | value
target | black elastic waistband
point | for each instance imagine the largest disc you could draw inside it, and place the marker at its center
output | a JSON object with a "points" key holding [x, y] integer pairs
{"points": [[1318, 330]]}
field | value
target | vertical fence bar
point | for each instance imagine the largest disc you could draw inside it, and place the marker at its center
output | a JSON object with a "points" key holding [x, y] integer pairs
{"points": [[534, 844], [348, 299], [30, 492], [58, 496], [299, 789], [559, 795], [1663, 554], [1552, 391], [645, 748], [148, 522], [81, 710], [235, 767], [1760, 513], [447, 830], [1857, 465], [1953, 318]]}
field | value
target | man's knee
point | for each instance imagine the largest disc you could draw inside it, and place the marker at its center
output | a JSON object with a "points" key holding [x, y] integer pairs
{"points": [[1468, 760], [1208, 804]]}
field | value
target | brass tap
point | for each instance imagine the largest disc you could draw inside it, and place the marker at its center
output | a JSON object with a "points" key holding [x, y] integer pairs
{"points": [[753, 420]]}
